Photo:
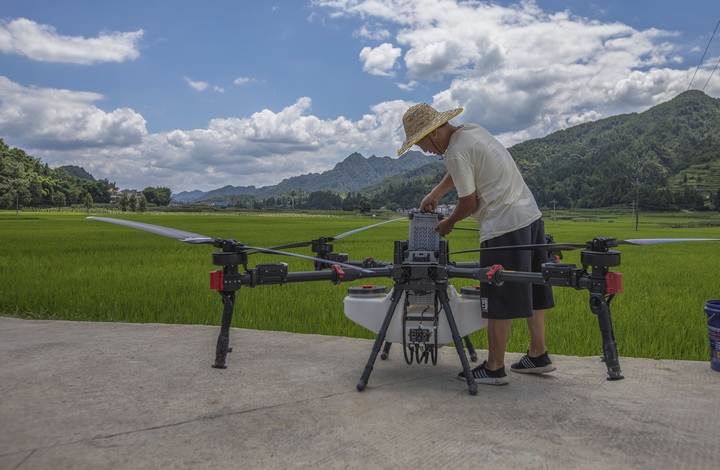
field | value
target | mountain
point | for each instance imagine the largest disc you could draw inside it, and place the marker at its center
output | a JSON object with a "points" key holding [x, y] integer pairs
{"points": [[188, 196], [352, 174], [77, 172], [668, 156], [606, 162]]}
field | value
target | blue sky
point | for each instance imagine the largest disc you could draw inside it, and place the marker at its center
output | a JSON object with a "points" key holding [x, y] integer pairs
{"points": [[199, 95]]}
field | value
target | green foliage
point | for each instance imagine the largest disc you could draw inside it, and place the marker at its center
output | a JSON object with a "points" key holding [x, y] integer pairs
{"points": [[26, 181], [88, 203], [124, 202], [324, 200], [157, 195], [294, 199], [77, 172], [356, 202], [133, 203]]}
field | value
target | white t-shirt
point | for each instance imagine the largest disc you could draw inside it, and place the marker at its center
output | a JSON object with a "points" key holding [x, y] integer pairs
{"points": [[477, 161]]}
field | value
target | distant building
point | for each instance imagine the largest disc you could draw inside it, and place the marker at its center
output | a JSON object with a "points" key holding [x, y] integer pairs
{"points": [[116, 195]]}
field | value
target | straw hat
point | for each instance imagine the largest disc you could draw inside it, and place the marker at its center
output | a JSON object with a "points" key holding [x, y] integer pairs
{"points": [[420, 120]]}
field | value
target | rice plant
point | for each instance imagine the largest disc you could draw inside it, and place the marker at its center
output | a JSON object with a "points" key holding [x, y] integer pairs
{"points": [[63, 266]]}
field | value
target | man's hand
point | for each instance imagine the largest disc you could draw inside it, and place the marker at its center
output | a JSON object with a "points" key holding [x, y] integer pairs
{"points": [[445, 226], [466, 206], [429, 203]]}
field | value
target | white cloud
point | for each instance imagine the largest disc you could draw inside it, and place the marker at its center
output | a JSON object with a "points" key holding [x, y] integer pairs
{"points": [[199, 86], [372, 32], [43, 43], [409, 86], [265, 147], [49, 117], [64, 127], [380, 60], [242, 80], [517, 69]]}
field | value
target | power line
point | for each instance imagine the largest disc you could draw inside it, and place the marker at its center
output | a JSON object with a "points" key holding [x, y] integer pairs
{"points": [[711, 74], [703, 57]]}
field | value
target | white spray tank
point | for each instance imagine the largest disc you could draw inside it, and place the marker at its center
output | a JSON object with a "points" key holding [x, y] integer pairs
{"points": [[368, 305]]}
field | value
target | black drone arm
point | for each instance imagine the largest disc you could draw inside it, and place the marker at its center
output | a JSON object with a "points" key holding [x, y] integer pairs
{"points": [[494, 274], [230, 279]]}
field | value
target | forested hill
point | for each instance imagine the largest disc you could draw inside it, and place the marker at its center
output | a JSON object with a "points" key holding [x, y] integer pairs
{"points": [[605, 162]]}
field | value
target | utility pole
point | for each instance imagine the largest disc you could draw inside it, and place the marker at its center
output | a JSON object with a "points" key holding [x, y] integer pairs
{"points": [[637, 203], [554, 213]]}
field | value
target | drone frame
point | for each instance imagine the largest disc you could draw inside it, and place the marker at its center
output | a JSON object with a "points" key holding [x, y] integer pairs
{"points": [[429, 271], [594, 275]]}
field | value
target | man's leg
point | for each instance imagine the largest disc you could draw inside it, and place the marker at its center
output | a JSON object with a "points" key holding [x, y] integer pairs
{"points": [[492, 371], [536, 361], [498, 332], [536, 325]]}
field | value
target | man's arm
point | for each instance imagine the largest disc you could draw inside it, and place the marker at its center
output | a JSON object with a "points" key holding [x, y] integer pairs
{"points": [[466, 205], [431, 201]]}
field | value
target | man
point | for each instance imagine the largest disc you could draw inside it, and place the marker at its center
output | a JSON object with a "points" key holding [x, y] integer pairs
{"points": [[491, 190]]}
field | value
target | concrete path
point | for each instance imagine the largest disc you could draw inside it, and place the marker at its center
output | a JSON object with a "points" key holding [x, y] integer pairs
{"points": [[132, 396]]}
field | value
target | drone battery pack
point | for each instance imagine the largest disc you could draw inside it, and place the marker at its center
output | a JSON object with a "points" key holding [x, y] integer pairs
{"points": [[424, 242]]}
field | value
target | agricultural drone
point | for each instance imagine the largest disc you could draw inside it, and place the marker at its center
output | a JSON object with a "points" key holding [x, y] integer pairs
{"points": [[422, 310]]}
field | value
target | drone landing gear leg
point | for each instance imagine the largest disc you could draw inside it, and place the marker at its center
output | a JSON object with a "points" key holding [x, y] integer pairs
{"points": [[395, 300], [386, 350], [601, 308], [223, 342], [470, 348], [472, 386]]}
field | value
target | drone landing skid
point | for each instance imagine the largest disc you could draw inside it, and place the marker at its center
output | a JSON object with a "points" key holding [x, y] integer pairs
{"points": [[398, 291], [223, 342]]}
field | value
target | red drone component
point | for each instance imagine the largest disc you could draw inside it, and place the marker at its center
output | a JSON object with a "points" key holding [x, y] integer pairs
{"points": [[217, 280], [495, 268], [614, 283]]}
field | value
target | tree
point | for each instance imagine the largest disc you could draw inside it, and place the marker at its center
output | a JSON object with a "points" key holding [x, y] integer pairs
{"points": [[88, 202], [58, 199], [142, 206], [133, 203], [124, 203], [99, 190], [364, 206], [324, 200], [14, 183], [158, 195]]}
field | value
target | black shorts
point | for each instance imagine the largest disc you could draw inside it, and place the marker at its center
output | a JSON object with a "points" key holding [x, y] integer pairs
{"points": [[515, 299]]}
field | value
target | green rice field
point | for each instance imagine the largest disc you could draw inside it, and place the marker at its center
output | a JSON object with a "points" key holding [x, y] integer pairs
{"points": [[60, 265]]}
